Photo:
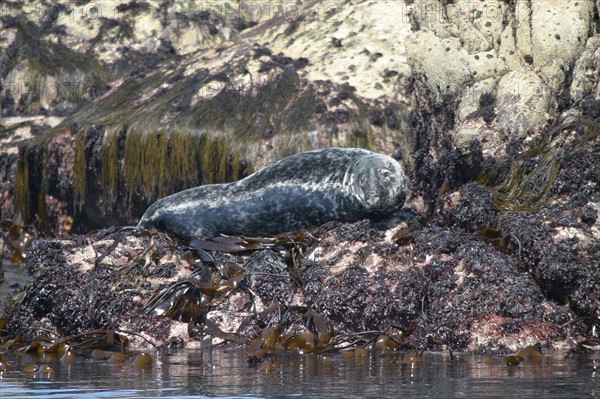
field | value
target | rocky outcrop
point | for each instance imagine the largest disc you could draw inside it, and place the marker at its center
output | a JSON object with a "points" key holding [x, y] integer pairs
{"points": [[495, 250], [497, 74], [455, 283]]}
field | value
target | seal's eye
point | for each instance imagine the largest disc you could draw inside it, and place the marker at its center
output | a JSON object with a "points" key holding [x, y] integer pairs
{"points": [[386, 173]]}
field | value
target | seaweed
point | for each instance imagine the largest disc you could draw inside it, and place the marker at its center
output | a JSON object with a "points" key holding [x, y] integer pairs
{"points": [[74, 76], [191, 298], [19, 238], [526, 189]]}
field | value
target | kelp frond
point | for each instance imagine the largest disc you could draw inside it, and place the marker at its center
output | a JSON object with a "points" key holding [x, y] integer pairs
{"points": [[524, 190]]}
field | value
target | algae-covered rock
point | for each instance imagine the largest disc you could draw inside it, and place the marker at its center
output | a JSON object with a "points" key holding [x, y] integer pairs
{"points": [[470, 101], [585, 79], [559, 29], [448, 284], [498, 243], [516, 86]]}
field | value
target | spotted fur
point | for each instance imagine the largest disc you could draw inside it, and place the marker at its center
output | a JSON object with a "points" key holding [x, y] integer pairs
{"points": [[305, 189]]}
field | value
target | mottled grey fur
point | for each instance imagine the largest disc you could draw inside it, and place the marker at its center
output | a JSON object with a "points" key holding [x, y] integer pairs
{"points": [[305, 189]]}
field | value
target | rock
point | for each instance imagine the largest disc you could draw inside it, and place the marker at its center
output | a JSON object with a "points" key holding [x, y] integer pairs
{"points": [[559, 30], [470, 98], [443, 62], [585, 73], [489, 16], [492, 141], [524, 103], [522, 33], [508, 50], [200, 89], [486, 65], [479, 24], [268, 277], [208, 91], [474, 207], [474, 41]]}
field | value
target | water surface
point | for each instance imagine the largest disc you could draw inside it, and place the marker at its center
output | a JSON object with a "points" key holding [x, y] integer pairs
{"points": [[225, 373]]}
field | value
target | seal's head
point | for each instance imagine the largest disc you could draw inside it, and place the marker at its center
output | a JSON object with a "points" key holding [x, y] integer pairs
{"points": [[378, 182]]}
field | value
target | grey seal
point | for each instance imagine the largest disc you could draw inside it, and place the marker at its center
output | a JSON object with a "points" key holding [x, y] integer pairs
{"points": [[305, 189]]}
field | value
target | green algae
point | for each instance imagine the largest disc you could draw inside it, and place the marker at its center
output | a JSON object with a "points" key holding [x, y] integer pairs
{"points": [[21, 191], [526, 188], [48, 73], [110, 167]]}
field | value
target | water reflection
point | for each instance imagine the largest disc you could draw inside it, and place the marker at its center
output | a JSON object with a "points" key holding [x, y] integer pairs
{"points": [[225, 373]]}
